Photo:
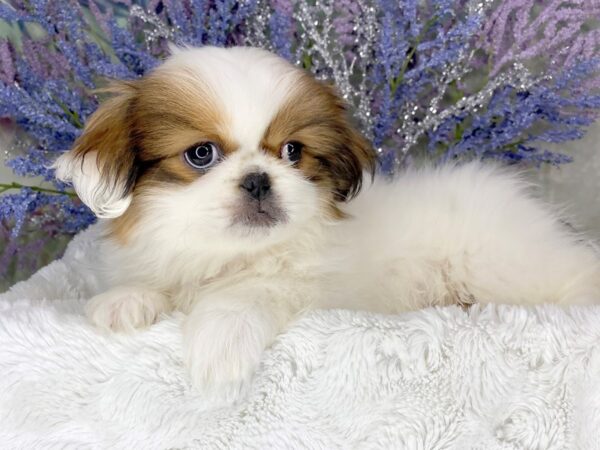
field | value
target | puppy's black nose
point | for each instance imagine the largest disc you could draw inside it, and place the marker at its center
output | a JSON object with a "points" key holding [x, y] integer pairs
{"points": [[257, 185]]}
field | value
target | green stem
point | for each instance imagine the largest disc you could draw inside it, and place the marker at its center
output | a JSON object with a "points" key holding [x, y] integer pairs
{"points": [[398, 80], [513, 145], [306, 61], [75, 119], [5, 187]]}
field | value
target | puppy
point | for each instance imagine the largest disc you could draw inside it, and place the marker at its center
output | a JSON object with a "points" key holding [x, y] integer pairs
{"points": [[231, 184]]}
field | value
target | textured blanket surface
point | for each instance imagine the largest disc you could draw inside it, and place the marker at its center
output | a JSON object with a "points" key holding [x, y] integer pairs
{"points": [[489, 378]]}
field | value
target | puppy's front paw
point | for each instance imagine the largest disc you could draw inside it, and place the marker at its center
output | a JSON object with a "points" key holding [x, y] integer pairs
{"points": [[223, 349], [126, 308]]}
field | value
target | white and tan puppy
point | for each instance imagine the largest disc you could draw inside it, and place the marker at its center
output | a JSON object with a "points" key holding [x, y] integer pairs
{"points": [[231, 182]]}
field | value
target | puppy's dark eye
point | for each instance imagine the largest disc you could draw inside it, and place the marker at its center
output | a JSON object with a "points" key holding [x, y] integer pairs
{"points": [[203, 155], [291, 151]]}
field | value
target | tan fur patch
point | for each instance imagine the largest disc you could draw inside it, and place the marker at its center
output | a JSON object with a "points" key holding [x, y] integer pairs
{"points": [[334, 154], [173, 111], [107, 134], [140, 133]]}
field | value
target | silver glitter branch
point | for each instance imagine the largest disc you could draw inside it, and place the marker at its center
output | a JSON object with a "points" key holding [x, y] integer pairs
{"points": [[517, 76], [257, 36], [329, 58], [418, 119], [316, 22], [366, 37], [155, 29]]}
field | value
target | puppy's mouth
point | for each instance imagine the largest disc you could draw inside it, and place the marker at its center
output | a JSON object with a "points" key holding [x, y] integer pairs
{"points": [[259, 213]]}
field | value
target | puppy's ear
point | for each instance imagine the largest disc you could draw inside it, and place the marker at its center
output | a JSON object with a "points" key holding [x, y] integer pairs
{"points": [[101, 164], [354, 159], [353, 155]]}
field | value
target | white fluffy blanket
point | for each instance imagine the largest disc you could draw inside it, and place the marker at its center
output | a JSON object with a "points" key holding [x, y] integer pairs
{"points": [[490, 378]]}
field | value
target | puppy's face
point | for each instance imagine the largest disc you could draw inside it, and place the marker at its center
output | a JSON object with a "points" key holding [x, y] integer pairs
{"points": [[226, 146]]}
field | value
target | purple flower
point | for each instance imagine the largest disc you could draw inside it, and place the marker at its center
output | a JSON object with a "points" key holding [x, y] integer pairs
{"points": [[282, 27], [7, 65], [553, 34]]}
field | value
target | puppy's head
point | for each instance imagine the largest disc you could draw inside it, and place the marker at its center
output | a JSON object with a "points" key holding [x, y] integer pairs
{"points": [[219, 145]]}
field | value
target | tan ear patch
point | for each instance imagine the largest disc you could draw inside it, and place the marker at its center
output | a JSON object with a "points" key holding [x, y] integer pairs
{"points": [[171, 111], [335, 155], [106, 135]]}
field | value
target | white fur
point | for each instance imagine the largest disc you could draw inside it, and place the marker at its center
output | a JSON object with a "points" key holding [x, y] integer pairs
{"points": [[431, 237], [126, 308], [104, 199], [238, 320]]}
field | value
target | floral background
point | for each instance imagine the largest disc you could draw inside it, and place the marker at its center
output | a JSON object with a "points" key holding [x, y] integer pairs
{"points": [[513, 81]]}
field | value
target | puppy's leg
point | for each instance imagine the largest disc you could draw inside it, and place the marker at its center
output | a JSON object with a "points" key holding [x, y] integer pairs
{"points": [[126, 308], [480, 236], [524, 255], [227, 332], [543, 263]]}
